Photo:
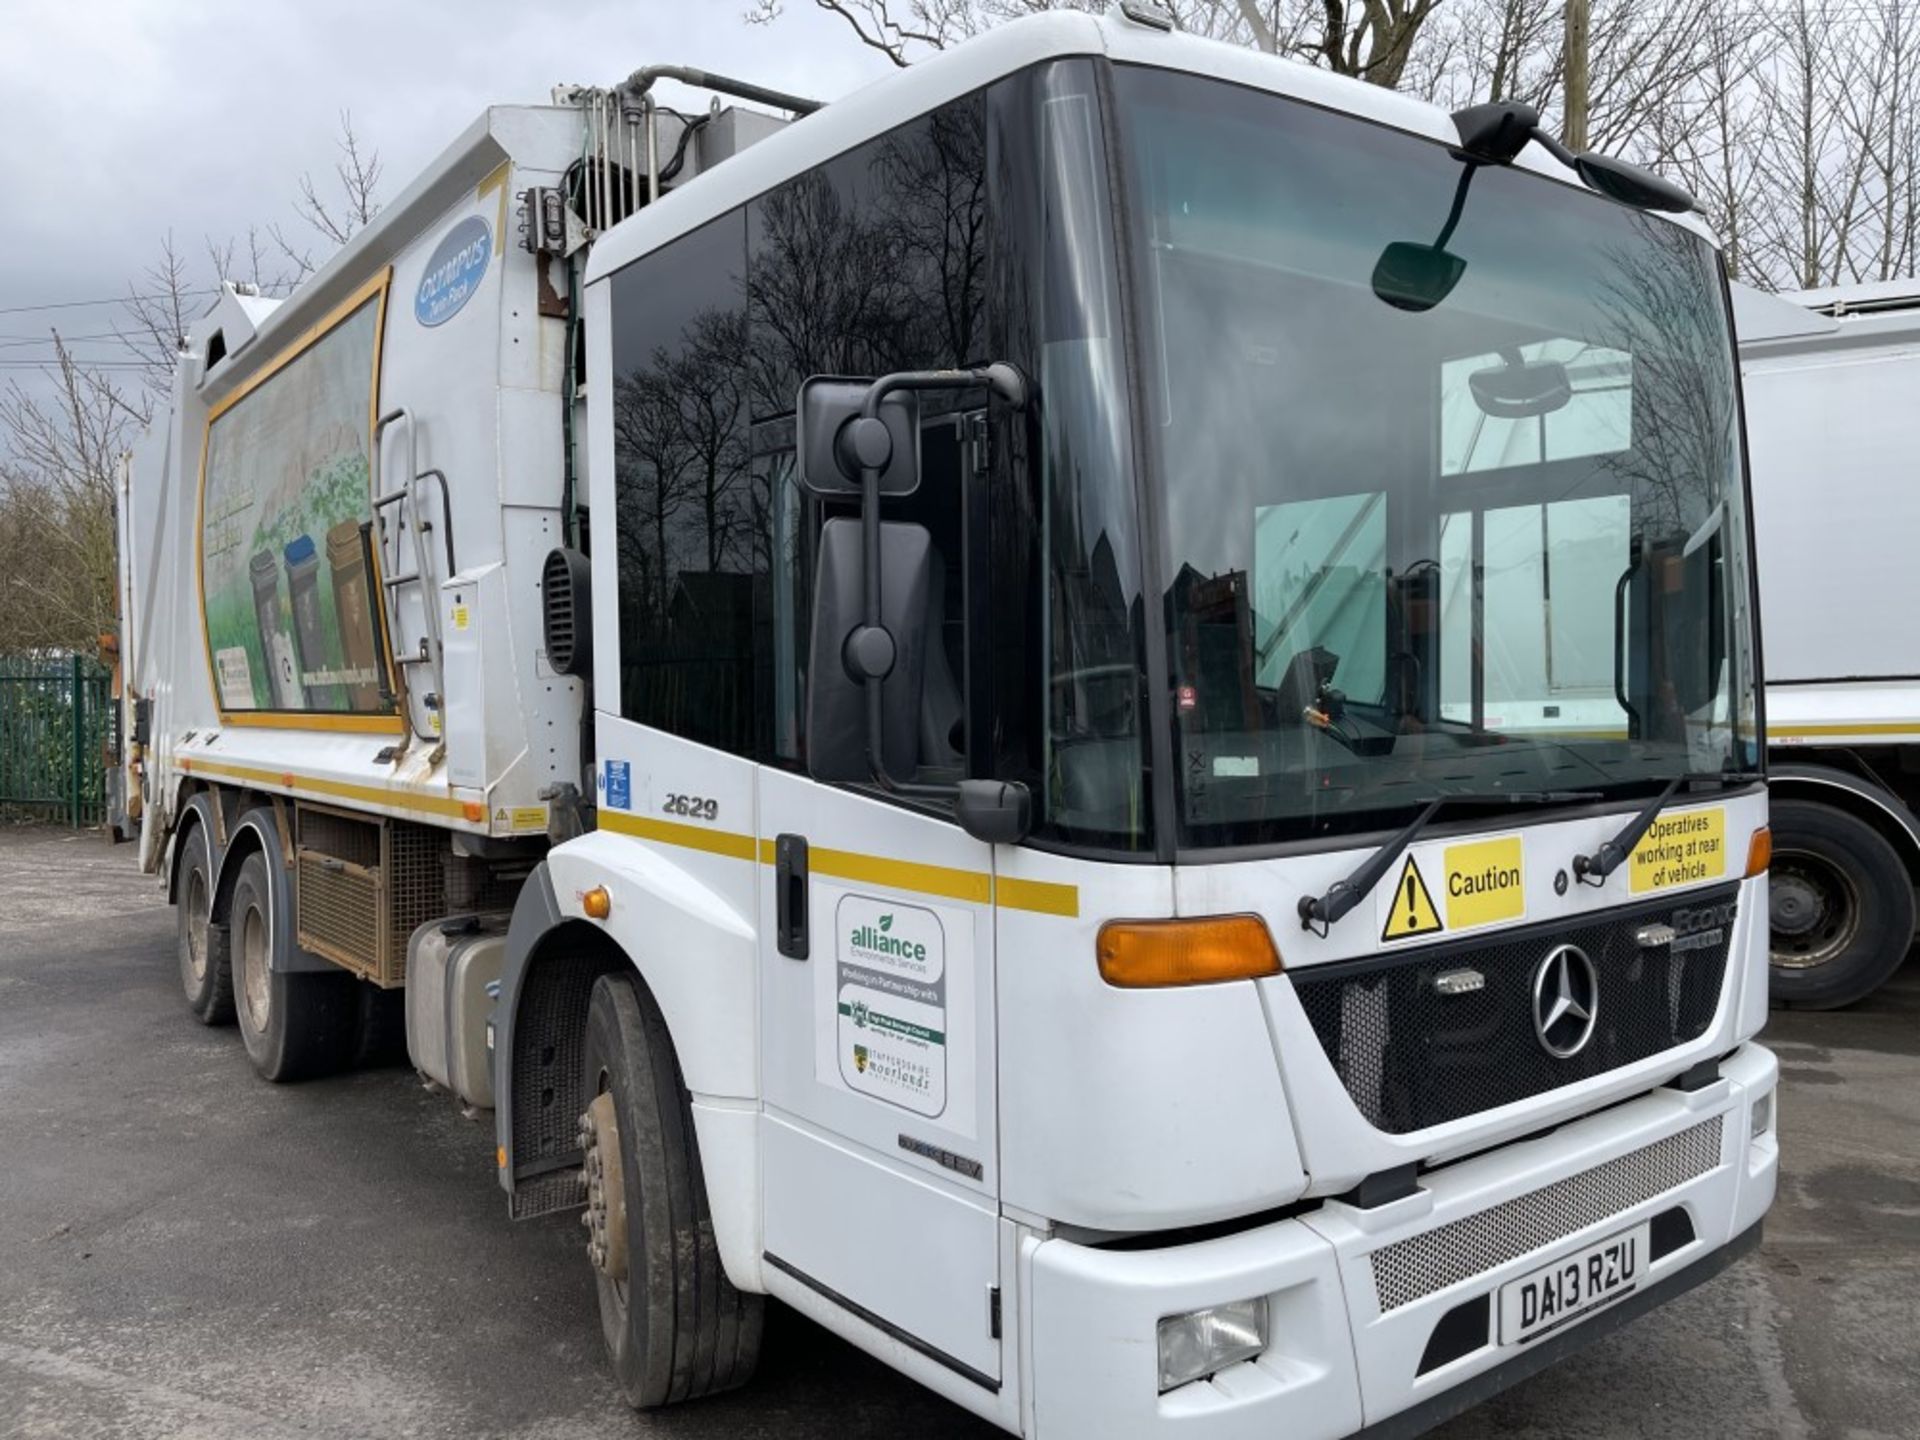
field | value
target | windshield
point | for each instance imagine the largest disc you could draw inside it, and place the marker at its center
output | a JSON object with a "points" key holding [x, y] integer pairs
{"points": [[1466, 512]]}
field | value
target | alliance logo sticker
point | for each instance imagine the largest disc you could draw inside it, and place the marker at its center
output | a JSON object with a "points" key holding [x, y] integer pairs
{"points": [[890, 999], [454, 271]]}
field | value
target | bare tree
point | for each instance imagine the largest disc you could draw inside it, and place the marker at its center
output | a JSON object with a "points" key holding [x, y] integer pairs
{"points": [[61, 441], [1370, 39], [1708, 145], [57, 507], [358, 172]]}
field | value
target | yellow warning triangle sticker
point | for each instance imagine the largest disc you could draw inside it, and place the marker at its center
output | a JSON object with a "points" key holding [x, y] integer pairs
{"points": [[1411, 911]]}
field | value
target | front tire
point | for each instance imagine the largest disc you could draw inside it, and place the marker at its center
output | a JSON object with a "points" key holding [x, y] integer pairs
{"points": [[1840, 907], [676, 1328], [295, 1025], [206, 973]]}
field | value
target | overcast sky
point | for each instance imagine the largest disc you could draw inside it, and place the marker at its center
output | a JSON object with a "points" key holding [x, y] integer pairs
{"points": [[121, 120]]}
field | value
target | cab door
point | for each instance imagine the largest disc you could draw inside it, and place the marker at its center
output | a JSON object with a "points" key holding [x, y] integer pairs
{"points": [[877, 995]]}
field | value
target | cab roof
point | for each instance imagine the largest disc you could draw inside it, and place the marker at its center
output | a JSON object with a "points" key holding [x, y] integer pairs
{"points": [[946, 76]]}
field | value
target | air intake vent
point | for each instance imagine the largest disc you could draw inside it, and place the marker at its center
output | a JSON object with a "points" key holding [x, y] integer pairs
{"points": [[568, 601]]}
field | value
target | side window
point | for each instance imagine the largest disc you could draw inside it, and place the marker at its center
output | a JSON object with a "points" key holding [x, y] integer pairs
{"points": [[688, 515], [873, 262]]}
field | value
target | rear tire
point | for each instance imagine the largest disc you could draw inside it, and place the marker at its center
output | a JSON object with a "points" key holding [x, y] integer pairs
{"points": [[296, 1025], [206, 973], [675, 1327], [1840, 907]]}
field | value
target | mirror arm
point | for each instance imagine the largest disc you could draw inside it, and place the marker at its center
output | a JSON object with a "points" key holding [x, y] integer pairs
{"points": [[1000, 379]]}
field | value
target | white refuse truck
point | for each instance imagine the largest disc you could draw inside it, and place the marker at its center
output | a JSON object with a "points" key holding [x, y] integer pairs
{"points": [[911, 705], [1830, 378]]}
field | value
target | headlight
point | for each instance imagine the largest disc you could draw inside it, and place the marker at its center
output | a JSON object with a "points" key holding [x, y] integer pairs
{"points": [[1203, 1342]]}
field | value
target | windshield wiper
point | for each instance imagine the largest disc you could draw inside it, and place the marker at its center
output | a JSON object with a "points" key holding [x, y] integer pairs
{"points": [[1593, 869], [1325, 911]]}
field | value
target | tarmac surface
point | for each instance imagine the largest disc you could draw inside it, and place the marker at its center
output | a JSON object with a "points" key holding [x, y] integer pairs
{"points": [[186, 1251]]}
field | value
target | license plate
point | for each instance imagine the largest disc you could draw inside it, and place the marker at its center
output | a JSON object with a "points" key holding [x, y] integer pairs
{"points": [[1556, 1293]]}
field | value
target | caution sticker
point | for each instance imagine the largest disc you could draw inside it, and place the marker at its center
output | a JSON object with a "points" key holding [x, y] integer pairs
{"points": [[520, 817], [1486, 882], [1410, 909], [1680, 849]]}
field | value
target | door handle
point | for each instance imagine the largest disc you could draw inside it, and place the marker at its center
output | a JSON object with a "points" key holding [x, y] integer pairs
{"points": [[790, 895]]}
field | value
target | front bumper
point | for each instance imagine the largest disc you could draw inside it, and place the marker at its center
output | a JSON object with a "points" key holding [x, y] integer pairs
{"points": [[1357, 1298]]}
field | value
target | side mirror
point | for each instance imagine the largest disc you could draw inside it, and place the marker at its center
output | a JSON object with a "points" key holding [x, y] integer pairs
{"points": [[1521, 389], [837, 717], [994, 811], [1629, 184], [860, 439], [834, 441]]}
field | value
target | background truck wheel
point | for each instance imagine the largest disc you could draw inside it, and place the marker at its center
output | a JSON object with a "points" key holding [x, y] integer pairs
{"points": [[205, 972], [1840, 905], [296, 1025], [675, 1327]]}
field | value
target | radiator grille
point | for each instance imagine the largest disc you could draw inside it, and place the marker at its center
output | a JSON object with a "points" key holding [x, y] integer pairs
{"points": [[1412, 1057], [1411, 1269]]}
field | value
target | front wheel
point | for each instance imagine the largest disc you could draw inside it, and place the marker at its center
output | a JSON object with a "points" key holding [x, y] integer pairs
{"points": [[675, 1326], [1839, 907]]}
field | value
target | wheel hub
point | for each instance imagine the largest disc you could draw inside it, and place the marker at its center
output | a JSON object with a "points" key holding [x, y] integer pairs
{"points": [[1813, 910], [198, 917], [1793, 906], [255, 970], [606, 1216]]}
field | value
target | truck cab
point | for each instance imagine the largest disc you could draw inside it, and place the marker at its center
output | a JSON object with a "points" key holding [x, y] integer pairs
{"points": [[1178, 824]]}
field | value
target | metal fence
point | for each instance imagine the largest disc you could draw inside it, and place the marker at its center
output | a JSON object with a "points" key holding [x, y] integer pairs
{"points": [[55, 721]]}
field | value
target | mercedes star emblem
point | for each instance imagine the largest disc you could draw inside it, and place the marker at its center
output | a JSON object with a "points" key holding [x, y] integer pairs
{"points": [[1566, 995]]}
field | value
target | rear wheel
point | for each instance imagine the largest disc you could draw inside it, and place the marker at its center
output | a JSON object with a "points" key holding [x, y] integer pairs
{"points": [[675, 1326], [296, 1024], [1839, 907], [205, 970]]}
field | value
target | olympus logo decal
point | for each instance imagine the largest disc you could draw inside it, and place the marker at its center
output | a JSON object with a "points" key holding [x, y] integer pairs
{"points": [[1566, 1001], [453, 272]]}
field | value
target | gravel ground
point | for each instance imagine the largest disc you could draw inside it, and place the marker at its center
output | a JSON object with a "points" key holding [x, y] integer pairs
{"points": [[185, 1251]]}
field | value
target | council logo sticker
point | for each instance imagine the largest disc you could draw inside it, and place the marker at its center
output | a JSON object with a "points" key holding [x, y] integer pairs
{"points": [[890, 1002]]}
